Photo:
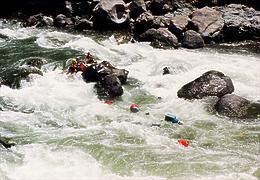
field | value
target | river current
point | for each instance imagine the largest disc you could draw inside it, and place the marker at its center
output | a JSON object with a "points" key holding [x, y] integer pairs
{"points": [[63, 131]]}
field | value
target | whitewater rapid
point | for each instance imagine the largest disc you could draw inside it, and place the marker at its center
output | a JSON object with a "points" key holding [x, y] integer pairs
{"points": [[63, 131]]}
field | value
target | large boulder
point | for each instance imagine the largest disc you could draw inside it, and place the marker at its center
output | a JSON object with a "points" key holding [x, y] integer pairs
{"points": [[162, 36], [192, 40], [143, 23], [232, 105], [110, 14], [97, 72], [208, 22], [241, 22], [178, 25], [112, 85], [211, 83], [160, 7], [136, 7]]}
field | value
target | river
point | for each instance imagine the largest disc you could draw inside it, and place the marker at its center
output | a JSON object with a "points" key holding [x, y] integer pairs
{"points": [[63, 131]]}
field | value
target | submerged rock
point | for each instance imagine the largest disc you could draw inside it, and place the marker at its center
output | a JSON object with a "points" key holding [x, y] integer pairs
{"points": [[12, 77], [211, 83], [4, 142]]}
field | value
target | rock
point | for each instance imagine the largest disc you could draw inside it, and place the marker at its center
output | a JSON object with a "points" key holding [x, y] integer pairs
{"points": [[160, 7], [248, 3], [166, 70], [143, 23], [33, 62], [110, 14], [47, 21], [39, 20], [4, 142], [178, 25], [62, 21], [136, 8], [211, 83], [83, 24], [208, 22], [12, 76], [241, 22], [232, 105], [192, 40], [112, 85], [97, 72], [161, 21], [161, 35]]}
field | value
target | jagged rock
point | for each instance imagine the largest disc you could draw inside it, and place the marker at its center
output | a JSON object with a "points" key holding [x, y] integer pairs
{"points": [[211, 83], [112, 85], [208, 22], [192, 40], [178, 25], [136, 8], [143, 23], [110, 14], [241, 22], [161, 21], [109, 79], [232, 105], [39, 20], [97, 72], [161, 35], [62, 21]]}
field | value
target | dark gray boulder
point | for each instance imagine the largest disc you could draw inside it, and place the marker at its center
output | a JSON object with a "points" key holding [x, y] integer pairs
{"points": [[110, 14], [241, 22], [62, 21], [97, 72], [211, 83], [192, 40], [232, 105], [143, 23], [39, 20], [160, 7], [112, 86], [208, 22], [83, 24], [136, 7], [161, 35]]}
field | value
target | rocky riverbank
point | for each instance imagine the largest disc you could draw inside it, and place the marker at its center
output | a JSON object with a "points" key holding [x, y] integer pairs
{"points": [[164, 23]]}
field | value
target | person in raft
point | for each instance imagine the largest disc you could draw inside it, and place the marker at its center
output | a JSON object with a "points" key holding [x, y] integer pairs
{"points": [[76, 65]]}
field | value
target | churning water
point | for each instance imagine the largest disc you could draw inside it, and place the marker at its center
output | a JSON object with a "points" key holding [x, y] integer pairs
{"points": [[63, 131]]}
